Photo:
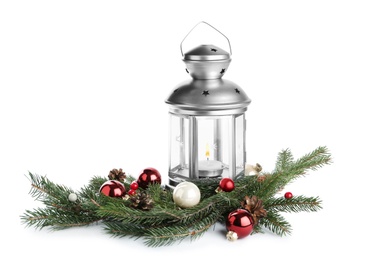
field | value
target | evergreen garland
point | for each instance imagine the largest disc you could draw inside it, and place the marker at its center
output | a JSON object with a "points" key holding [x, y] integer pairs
{"points": [[165, 223]]}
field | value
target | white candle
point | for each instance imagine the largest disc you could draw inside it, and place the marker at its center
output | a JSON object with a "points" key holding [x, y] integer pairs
{"points": [[210, 168]]}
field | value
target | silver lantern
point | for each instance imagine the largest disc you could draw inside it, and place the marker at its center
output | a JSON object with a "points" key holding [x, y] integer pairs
{"points": [[207, 119]]}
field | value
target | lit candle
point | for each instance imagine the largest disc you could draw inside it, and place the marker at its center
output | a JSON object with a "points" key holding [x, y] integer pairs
{"points": [[210, 168]]}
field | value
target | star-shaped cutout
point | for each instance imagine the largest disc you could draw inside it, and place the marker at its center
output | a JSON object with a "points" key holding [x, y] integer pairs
{"points": [[214, 50], [222, 71], [237, 91], [205, 92]]}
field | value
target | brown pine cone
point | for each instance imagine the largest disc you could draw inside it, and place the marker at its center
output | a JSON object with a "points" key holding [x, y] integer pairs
{"points": [[255, 207], [141, 200], [117, 174], [261, 177]]}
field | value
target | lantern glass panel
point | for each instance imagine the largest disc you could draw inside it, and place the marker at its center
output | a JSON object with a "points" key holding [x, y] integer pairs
{"points": [[240, 143], [179, 149], [216, 149]]}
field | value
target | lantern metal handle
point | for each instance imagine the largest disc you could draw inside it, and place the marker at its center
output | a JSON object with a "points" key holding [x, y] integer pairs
{"points": [[210, 26]]}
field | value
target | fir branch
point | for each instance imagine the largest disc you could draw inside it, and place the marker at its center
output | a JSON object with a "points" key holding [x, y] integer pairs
{"points": [[249, 185], [161, 236], [125, 214], [284, 160], [295, 204], [42, 189], [161, 197], [276, 224], [56, 219], [176, 233], [38, 218], [119, 229], [60, 212], [207, 186], [312, 161], [203, 209], [283, 176]]}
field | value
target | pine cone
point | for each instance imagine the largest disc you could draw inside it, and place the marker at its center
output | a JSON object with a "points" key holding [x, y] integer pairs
{"points": [[254, 206], [141, 200], [116, 174], [261, 177]]}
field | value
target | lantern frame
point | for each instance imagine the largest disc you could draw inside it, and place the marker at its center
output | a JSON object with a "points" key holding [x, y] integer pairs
{"points": [[206, 111]]}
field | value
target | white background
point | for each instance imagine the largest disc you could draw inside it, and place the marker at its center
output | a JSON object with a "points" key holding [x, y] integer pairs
{"points": [[82, 90]]}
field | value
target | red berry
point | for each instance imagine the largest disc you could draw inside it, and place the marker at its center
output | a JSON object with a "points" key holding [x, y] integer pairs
{"points": [[131, 192], [288, 195], [134, 185]]}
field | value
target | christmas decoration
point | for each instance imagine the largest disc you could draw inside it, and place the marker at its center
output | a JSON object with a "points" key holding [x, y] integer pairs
{"points": [[117, 174], [131, 192], [186, 194], [133, 187], [148, 176], [241, 222], [152, 214], [227, 184], [72, 197], [288, 195], [142, 201], [113, 188], [231, 236], [252, 169], [254, 206], [261, 177]]}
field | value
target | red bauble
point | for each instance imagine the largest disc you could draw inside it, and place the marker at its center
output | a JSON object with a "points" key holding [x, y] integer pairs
{"points": [[131, 192], [134, 185], [113, 188], [241, 222], [148, 176], [288, 195], [227, 184]]}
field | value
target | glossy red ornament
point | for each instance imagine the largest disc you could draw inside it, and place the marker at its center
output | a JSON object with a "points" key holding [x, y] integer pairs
{"points": [[241, 222], [131, 192], [227, 184], [149, 176], [113, 188], [134, 185], [288, 195]]}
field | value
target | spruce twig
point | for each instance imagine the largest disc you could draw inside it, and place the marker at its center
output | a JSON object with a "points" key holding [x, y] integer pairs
{"points": [[295, 204]]}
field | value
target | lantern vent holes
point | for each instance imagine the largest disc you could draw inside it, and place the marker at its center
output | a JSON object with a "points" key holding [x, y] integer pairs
{"points": [[222, 71], [205, 93], [187, 70], [237, 91], [213, 49]]}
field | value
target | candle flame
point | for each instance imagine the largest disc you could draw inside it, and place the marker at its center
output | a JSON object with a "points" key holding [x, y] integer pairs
{"points": [[207, 153]]}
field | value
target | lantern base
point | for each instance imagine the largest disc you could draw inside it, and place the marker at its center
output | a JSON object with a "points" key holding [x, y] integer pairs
{"points": [[174, 180], [210, 174]]}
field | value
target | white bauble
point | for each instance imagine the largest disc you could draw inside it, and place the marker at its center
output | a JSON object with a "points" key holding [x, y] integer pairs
{"points": [[186, 194], [72, 197]]}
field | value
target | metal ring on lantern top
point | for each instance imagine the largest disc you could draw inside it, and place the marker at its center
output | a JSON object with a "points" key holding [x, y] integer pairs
{"points": [[228, 41]]}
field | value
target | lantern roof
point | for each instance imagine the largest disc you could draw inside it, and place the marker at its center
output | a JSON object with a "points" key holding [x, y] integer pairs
{"points": [[208, 97]]}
